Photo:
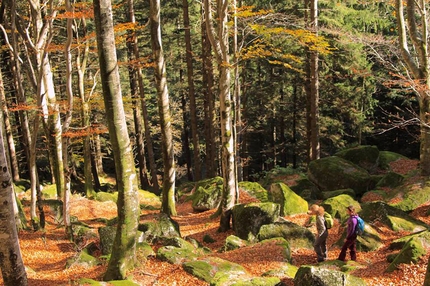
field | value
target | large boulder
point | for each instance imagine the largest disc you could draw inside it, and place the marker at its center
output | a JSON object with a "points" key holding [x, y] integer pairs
{"points": [[364, 156], [207, 194], [410, 197], [319, 276], [392, 217], [178, 250], [336, 206], [296, 235], [255, 190], [387, 157], [334, 173], [163, 226], [248, 218], [290, 202], [411, 252]]}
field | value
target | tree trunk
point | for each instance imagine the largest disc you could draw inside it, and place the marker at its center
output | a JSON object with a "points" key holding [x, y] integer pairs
{"points": [[413, 36], [133, 78], [209, 103], [12, 266], [312, 88], [124, 247], [81, 64], [219, 41], [191, 93], [168, 203]]}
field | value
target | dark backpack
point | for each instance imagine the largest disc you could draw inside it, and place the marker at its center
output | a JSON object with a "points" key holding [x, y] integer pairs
{"points": [[328, 220], [359, 229]]}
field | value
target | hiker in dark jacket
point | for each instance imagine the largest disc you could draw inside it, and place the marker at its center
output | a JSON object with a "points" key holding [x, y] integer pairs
{"points": [[320, 245], [351, 236]]}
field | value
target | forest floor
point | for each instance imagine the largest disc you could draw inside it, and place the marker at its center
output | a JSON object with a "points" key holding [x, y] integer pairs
{"points": [[45, 253]]}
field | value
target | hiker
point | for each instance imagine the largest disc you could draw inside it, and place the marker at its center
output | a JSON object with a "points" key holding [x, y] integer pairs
{"points": [[351, 236], [320, 245]]}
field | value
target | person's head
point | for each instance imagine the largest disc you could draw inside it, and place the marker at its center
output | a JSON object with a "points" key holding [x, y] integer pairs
{"points": [[351, 210], [316, 210]]}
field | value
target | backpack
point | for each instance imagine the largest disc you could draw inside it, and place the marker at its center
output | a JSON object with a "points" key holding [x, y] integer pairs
{"points": [[328, 220], [359, 229]]}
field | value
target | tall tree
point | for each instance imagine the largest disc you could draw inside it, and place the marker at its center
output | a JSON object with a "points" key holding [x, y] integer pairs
{"points": [[11, 264], [168, 203], [219, 40], [132, 52], [413, 37], [124, 247], [209, 101], [312, 84], [191, 92]]}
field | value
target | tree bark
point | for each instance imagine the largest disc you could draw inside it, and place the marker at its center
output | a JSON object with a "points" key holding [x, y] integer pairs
{"points": [[168, 202], [219, 42], [312, 88], [209, 102], [413, 35], [12, 266], [191, 93], [124, 247]]}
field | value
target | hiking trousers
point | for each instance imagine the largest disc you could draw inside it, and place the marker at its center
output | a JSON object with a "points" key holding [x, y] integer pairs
{"points": [[320, 246]]}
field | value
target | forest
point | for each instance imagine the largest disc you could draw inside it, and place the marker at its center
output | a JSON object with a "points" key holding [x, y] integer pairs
{"points": [[121, 96]]}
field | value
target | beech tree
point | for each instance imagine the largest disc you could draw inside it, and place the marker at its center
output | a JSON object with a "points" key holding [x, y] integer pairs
{"points": [[413, 38], [12, 266], [124, 246], [218, 36], [168, 202]]}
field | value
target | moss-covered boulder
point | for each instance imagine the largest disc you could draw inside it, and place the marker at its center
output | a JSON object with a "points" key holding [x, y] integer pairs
{"points": [[148, 200], [312, 275], [290, 203], [208, 267], [49, 191], [391, 180], [162, 226], [255, 190], [286, 270], [296, 235], [386, 157], [410, 197], [248, 218], [233, 242], [82, 259], [179, 251], [336, 206], [207, 194], [423, 236], [105, 197], [410, 253], [334, 173], [364, 156], [392, 217], [305, 188]]}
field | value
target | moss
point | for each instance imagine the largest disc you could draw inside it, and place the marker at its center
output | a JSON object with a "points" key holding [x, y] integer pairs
{"points": [[105, 197], [49, 191], [254, 189], [398, 223], [411, 252], [286, 270]]}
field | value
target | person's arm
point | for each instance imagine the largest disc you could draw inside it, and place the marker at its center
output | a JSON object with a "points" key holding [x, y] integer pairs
{"points": [[320, 225]]}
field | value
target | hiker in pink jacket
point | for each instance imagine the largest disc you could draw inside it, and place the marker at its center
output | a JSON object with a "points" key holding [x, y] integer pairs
{"points": [[351, 236]]}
